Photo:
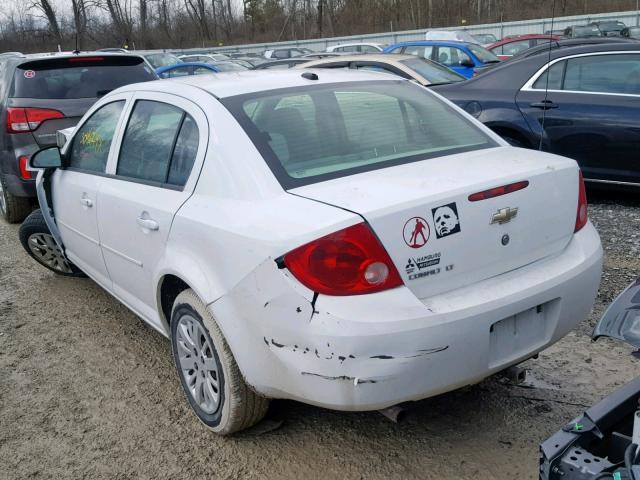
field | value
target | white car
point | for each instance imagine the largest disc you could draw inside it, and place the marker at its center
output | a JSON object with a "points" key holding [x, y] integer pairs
{"points": [[451, 35], [346, 239], [357, 48]]}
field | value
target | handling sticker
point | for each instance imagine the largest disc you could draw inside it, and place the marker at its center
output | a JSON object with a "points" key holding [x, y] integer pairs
{"points": [[416, 232], [29, 73], [445, 219], [425, 266]]}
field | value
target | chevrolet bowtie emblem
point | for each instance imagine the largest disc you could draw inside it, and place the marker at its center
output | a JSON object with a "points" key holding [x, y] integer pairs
{"points": [[504, 215]]}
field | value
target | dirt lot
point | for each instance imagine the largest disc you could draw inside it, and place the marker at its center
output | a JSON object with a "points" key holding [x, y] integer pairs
{"points": [[88, 391]]}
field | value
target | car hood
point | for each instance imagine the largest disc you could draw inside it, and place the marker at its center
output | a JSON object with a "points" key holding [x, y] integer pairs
{"points": [[622, 319]]}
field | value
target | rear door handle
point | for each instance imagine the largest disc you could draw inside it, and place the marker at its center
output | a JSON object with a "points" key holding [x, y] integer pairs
{"points": [[86, 202], [148, 223], [544, 105]]}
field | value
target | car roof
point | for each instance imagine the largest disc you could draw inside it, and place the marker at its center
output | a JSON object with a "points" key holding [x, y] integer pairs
{"points": [[187, 64], [606, 43], [444, 43], [528, 36], [229, 84]]}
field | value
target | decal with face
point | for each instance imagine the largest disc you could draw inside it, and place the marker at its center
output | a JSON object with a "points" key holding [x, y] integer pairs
{"points": [[445, 220], [29, 74]]}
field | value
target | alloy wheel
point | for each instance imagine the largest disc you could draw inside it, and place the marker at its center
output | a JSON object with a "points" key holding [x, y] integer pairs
{"points": [[45, 250], [198, 365]]}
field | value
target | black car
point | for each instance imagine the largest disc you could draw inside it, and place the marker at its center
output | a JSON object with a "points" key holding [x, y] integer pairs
{"points": [[610, 28], [40, 94], [578, 31], [590, 112]]}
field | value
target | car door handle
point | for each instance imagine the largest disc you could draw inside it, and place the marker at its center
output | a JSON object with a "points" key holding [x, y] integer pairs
{"points": [[544, 105], [86, 202], [148, 223]]}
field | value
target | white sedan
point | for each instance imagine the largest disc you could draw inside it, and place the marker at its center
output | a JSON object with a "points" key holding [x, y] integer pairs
{"points": [[346, 239]]}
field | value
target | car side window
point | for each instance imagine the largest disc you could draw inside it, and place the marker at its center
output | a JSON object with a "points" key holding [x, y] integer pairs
{"points": [[604, 74], [91, 143], [150, 141], [514, 48], [184, 153], [555, 73], [419, 51], [369, 49], [451, 56]]}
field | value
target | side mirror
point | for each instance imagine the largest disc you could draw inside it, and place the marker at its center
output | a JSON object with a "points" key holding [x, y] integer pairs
{"points": [[46, 158], [467, 63]]}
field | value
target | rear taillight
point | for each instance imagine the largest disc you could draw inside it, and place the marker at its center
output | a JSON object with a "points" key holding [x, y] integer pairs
{"points": [[348, 262], [582, 216], [22, 164], [21, 120]]}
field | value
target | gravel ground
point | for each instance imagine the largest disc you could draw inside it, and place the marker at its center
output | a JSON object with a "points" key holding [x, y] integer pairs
{"points": [[87, 390]]}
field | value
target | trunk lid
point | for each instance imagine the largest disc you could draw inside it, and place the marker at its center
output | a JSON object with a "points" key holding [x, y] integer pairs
{"points": [[438, 239]]}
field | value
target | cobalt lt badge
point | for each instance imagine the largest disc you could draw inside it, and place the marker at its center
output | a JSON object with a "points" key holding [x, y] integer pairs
{"points": [[504, 215]]}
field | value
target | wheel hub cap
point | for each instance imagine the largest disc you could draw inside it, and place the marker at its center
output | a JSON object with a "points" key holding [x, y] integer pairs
{"points": [[45, 249], [197, 363]]}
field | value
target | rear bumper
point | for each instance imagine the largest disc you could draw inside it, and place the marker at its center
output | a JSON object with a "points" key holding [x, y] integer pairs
{"points": [[373, 351]]}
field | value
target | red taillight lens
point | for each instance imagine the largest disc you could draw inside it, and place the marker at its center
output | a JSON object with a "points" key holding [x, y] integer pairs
{"points": [[21, 120], [582, 216], [22, 163], [497, 191], [348, 262]]}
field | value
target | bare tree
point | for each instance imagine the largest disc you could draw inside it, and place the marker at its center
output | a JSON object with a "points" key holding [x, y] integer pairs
{"points": [[45, 7]]}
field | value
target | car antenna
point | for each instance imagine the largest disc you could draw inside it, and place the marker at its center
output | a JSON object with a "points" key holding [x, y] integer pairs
{"points": [[546, 87]]}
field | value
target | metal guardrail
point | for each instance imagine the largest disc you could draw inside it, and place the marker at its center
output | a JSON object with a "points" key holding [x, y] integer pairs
{"points": [[500, 30]]}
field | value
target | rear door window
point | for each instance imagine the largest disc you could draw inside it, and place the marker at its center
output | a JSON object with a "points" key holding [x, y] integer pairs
{"points": [[604, 74], [91, 144], [451, 56], [77, 77], [419, 51], [157, 133]]}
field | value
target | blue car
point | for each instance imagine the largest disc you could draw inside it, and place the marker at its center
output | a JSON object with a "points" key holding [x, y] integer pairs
{"points": [[197, 68], [467, 59]]}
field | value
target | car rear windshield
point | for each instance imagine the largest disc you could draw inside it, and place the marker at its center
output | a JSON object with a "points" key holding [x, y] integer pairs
{"points": [[434, 73], [315, 133], [77, 77]]}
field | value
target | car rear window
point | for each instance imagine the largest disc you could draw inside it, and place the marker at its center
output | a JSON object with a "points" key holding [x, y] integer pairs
{"points": [[311, 134], [77, 77]]}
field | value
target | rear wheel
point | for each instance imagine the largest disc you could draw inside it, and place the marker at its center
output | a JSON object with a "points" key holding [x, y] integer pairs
{"points": [[208, 372], [13, 209], [42, 247]]}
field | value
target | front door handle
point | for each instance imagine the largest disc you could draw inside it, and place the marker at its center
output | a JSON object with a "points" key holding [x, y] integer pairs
{"points": [[148, 224], [86, 202], [544, 105]]}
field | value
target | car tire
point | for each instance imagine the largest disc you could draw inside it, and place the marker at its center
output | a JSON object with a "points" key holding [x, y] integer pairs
{"points": [[38, 242], [13, 209], [196, 337]]}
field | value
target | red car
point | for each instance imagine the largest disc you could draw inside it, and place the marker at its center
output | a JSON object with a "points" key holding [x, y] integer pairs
{"points": [[508, 47]]}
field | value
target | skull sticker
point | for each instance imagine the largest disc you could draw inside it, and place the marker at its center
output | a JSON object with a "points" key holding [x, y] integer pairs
{"points": [[445, 220]]}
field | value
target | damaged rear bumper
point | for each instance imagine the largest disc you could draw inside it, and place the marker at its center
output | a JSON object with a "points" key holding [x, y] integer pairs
{"points": [[372, 351]]}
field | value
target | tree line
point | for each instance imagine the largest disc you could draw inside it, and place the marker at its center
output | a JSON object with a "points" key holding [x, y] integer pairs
{"points": [[43, 25]]}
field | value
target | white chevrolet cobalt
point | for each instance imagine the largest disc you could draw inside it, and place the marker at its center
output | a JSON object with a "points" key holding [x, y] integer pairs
{"points": [[346, 239]]}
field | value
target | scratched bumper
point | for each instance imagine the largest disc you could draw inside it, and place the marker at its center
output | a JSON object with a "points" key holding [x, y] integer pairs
{"points": [[373, 351]]}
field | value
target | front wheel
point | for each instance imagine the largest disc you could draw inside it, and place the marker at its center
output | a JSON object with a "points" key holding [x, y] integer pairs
{"points": [[42, 247], [208, 371]]}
